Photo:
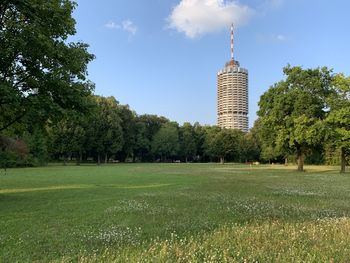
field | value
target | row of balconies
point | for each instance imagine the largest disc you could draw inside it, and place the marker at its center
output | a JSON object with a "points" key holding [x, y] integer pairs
{"points": [[234, 95], [232, 103], [235, 70], [228, 104], [237, 76], [232, 81]]}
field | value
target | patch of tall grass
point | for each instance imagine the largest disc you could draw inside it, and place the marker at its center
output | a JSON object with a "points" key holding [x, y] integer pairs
{"points": [[324, 240]]}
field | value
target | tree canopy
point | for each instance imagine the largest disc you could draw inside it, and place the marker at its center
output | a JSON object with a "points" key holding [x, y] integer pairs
{"points": [[41, 73], [292, 110], [339, 117]]}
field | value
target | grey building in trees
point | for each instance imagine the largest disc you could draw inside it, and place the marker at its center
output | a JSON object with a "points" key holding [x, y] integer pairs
{"points": [[232, 95]]}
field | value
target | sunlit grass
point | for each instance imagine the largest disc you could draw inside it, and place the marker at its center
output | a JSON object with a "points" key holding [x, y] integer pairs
{"points": [[174, 213], [325, 240]]}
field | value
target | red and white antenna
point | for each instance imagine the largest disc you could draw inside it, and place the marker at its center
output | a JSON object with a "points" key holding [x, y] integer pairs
{"points": [[232, 35]]}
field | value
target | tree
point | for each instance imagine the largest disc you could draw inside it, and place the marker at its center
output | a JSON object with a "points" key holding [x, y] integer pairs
{"points": [[249, 148], [339, 118], [264, 136], [40, 72], [294, 109], [142, 143], [105, 130], [68, 136], [188, 147], [209, 134], [199, 135], [226, 143], [165, 143], [36, 140], [11, 151], [128, 124], [149, 125]]}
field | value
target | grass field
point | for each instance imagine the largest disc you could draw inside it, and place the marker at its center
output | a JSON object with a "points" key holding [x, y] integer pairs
{"points": [[174, 213]]}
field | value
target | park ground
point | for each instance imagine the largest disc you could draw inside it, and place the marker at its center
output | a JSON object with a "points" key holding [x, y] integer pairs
{"points": [[174, 213]]}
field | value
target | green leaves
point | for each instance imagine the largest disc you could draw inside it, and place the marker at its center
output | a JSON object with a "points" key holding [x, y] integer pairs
{"points": [[39, 70], [225, 142], [166, 141], [292, 112]]}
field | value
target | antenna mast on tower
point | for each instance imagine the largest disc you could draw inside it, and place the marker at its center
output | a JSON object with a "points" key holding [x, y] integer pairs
{"points": [[232, 35]]}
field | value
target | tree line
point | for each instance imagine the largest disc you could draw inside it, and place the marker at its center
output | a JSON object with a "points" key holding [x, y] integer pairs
{"points": [[111, 132], [48, 111]]}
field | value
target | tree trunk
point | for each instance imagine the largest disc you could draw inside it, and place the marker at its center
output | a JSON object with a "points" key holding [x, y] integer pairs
{"points": [[342, 160], [64, 160], [222, 160], [80, 158], [286, 161], [98, 159], [300, 156], [186, 159], [106, 158]]}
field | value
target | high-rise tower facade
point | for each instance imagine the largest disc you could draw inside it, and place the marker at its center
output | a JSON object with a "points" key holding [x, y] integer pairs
{"points": [[232, 95]]}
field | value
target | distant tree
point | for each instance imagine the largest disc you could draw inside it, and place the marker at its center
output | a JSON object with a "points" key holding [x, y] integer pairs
{"points": [[226, 143], [128, 125], [265, 136], [188, 147], [295, 109], [209, 133], [339, 118], [68, 136], [199, 135], [12, 152], [249, 148], [165, 142], [40, 71], [105, 128], [142, 142], [36, 140], [150, 126]]}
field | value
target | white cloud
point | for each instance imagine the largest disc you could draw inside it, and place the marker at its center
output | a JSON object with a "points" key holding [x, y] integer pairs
{"points": [[281, 37], [126, 25], [112, 25], [129, 26], [274, 3], [272, 38], [199, 17]]}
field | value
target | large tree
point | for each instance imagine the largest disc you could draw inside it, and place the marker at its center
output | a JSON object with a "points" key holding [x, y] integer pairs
{"points": [[40, 71], [339, 118], [294, 110]]}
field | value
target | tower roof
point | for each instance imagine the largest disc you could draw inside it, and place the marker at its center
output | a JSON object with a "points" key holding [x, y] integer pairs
{"points": [[232, 63]]}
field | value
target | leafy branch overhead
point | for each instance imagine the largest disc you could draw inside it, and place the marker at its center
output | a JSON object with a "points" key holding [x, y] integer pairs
{"points": [[39, 70]]}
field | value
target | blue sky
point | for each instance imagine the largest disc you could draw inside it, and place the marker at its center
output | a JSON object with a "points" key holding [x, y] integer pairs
{"points": [[161, 56]]}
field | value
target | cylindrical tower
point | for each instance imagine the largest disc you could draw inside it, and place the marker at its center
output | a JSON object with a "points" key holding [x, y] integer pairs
{"points": [[232, 97]]}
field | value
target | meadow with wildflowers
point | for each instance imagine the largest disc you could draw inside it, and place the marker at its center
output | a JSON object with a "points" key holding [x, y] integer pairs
{"points": [[174, 213]]}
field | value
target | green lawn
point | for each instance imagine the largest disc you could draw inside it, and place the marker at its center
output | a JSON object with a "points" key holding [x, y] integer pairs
{"points": [[174, 213]]}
